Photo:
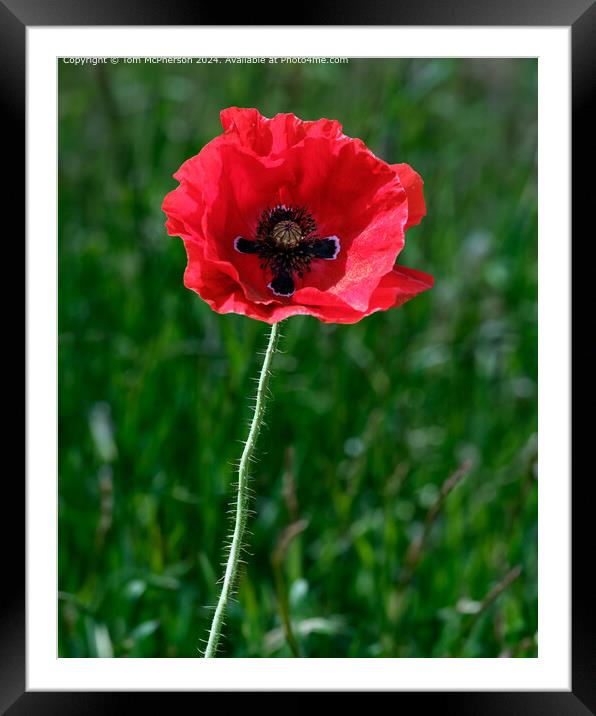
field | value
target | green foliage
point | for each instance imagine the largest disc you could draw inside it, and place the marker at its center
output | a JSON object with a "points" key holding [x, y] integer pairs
{"points": [[367, 421]]}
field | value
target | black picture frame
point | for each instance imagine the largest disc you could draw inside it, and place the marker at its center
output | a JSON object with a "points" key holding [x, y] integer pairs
{"points": [[580, 15]]}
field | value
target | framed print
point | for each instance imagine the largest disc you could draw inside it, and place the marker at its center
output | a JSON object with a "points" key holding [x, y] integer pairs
{"points": [[299, 355]]}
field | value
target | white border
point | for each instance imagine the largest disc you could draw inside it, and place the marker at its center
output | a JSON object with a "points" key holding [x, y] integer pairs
{"points": [[551, 670]]}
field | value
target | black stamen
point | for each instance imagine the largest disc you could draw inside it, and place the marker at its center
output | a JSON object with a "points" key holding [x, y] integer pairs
{"points": [[296, 214], [325, 248], [282, 285], [244, 246], [286, 242]]}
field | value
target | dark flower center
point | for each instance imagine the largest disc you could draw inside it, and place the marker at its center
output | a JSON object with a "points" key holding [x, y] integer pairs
{"points": [[286, 234], [286, 242]]}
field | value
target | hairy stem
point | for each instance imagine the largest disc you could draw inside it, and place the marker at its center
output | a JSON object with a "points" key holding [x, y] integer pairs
{"points": [[242, 498]]}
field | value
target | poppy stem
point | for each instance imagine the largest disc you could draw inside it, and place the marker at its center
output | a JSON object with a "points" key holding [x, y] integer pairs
{"points": [[242, 499]]}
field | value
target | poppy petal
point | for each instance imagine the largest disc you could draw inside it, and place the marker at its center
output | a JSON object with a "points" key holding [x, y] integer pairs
{"points": [[412, 183], [273, 136]]}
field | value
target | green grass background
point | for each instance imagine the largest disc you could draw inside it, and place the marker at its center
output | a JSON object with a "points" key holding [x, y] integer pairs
{"points": [[368, 420]]}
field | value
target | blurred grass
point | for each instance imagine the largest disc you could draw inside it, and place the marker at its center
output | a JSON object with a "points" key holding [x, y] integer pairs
{"points": [[368, 420]]}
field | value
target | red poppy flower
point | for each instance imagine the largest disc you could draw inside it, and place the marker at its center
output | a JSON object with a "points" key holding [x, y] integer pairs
{"points": [[283, 217]]}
